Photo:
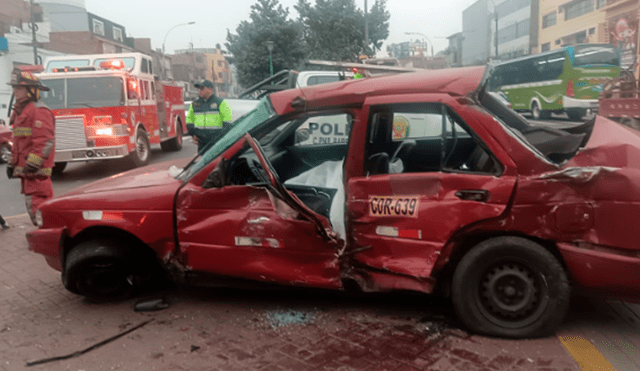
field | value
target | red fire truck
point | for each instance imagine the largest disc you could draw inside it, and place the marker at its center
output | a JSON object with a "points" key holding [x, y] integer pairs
{"points": [[111, 106]]}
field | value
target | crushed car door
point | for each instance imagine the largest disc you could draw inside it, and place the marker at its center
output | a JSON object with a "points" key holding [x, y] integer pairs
{"points": [[427, 175], [256, 231]]}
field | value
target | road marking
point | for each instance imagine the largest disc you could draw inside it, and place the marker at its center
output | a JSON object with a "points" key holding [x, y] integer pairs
{"points": [[16, 216], [585, 354]]}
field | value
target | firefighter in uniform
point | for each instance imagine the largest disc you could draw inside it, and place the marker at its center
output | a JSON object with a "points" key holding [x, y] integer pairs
{"points": [[207, 116], [33, 141]]}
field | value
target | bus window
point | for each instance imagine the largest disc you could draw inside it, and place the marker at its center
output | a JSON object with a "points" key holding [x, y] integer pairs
{"points": [[596, 55]]}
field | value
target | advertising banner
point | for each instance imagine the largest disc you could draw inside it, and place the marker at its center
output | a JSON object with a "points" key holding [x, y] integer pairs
{"points": [[624, 34]]}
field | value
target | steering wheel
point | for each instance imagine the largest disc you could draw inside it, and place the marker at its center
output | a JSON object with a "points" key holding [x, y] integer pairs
{"points": [[256, 170]]}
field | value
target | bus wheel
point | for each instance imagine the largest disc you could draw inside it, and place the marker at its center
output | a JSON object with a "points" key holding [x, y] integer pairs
{"points": [[574, 115], [536, 112], [142, 151]]}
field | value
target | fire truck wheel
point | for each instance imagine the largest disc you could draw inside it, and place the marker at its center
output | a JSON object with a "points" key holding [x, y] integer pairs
{"points": [[5, 152], [174, 144], [140, 155], [58, 168], [510, 287], [99, 270]]}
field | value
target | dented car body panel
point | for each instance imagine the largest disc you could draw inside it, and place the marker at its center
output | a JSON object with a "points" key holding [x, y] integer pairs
{"points": [[428, 172]]}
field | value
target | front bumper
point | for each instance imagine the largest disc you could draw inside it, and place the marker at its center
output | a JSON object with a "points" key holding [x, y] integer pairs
{"points": [[616, 276], [47, 242], [92, 153], [572, 103]]}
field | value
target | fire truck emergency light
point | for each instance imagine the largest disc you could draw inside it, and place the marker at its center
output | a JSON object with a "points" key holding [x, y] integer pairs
{"points": [[114, 64]]}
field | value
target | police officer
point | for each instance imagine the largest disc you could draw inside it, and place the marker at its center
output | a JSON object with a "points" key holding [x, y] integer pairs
{"points": [[207, 116], [33, 141]]}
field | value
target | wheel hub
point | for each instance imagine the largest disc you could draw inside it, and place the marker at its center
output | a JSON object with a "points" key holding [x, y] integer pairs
{"points": [[509, 291]]}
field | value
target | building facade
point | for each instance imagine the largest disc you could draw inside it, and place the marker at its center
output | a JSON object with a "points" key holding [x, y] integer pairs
{"points": [[189, 67], [615, 22], [94, 35], [218, 71], [516, 22]]}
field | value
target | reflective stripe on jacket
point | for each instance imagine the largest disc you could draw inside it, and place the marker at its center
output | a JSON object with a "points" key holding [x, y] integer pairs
{"points": [[208, 114], [33, 140]]}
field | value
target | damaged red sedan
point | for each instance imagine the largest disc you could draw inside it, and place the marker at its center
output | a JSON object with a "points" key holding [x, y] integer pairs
{"points": [[420, 181]]}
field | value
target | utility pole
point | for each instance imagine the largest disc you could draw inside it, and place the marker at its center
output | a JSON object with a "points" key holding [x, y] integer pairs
{"points": [[366, 27], [33, 35], [496, 12]]}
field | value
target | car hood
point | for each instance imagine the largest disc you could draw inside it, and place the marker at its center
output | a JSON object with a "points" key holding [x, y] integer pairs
{"points": [[144, 177]]}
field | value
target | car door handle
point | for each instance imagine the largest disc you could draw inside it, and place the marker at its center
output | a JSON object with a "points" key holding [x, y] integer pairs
{"points": [[480, 195]]}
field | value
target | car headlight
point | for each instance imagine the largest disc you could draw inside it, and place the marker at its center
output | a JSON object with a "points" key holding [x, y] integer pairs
{"points": [[39, 218]]}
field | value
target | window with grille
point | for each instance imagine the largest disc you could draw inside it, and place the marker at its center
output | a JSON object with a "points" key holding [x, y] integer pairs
{"points": [[577, 9], [549, 20]]}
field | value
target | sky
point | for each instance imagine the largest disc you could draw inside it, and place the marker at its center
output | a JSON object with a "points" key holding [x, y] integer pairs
{"points": [[154, 19]]}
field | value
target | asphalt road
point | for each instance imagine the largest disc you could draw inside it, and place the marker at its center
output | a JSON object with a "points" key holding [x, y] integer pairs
{"points": [[80, 173]]}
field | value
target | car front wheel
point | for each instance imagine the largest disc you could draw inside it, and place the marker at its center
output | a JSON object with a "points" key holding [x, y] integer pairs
{"points": [[510, 287], [100, 270]]}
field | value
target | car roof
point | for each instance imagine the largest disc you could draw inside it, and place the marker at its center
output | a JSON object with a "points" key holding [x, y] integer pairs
{"points": [[455, 81]]}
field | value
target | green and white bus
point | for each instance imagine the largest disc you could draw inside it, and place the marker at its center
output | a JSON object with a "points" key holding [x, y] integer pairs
{"points": [[568, 79]]}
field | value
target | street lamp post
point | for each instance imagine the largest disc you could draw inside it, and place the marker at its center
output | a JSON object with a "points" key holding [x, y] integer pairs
{"points": [[495, 12], [425, 37], [270, 48], [165, 39]]}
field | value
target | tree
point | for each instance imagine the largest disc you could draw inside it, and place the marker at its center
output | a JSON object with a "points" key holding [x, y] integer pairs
{"points": [[378, 24], [334, 29], [269, 21]]}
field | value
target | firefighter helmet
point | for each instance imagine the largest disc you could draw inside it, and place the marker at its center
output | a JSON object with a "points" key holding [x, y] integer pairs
{"points": [[26, 79]]}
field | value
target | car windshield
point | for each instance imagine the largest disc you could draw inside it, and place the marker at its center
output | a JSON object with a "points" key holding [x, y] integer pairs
{"points": [[245, 124]]}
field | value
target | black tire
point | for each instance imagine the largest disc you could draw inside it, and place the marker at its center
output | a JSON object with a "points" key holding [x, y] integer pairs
{"points": [[5, 153], [538, 113], [575, 116], [100, 270], [142, 151], [174, 144], [58, 168], [510, 287], [535, 111]]}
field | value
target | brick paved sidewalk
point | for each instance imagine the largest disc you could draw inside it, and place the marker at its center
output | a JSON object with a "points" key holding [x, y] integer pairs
{"points": [[240, 330]]}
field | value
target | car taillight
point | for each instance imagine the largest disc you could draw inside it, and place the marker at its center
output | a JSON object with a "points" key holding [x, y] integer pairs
{"points": [[570, 92]]}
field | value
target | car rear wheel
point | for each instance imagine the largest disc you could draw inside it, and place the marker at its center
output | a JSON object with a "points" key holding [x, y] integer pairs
{"points": [[5, 153], [142, 152], [100, 270], [510, 287]]}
